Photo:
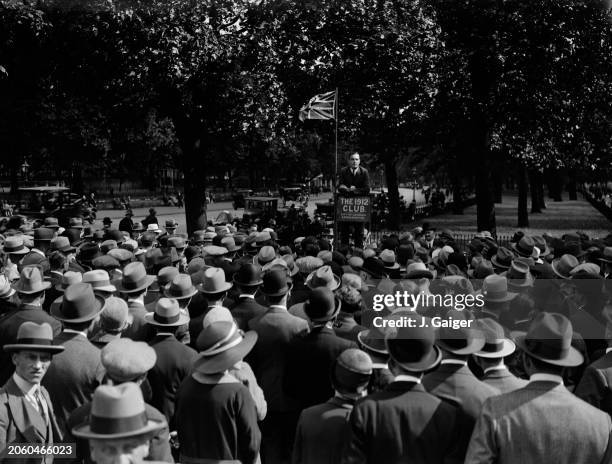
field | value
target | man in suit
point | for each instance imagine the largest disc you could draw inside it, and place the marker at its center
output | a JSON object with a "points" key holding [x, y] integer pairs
{"points": [[126, 363], [26, 411], [174, 359], [595, 387], [403, 422], [247, 280], [31, 293], [75, 373], [491, 357], [133, 285], [354, 180], [322, 429], [542, 422]]}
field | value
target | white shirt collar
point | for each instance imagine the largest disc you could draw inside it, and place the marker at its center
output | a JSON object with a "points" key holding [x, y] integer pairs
{"points": [[495, 368], [380, 366], [139, 299], [36, 250], [454, 361], [279, 307], [246, 295], [407, 378], [540, 376], [76, 332]]}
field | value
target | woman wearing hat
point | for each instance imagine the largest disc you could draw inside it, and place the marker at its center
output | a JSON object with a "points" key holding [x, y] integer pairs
{"points": [[217, 414]]}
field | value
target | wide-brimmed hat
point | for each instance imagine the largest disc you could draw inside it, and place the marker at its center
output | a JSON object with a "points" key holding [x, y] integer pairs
{"points": [[413, 348], [460, 341], [51, 223], [117, 412], [563, 266], [229, 244], [170, 224], [154, 228], [586, 271], [213, 281], [351, 371], [518, 275], [31, 281], [266, 254], [388, 259], [14, 245], [35, 337], [495, 289], [549, 339], [275, 283], [167, 314], [180, 287], [418, 270], [43, 234], [88, 251], [482, 269], [374, 267], [322, 305], [249, 275], [69, 278], [78, 304], [372, 340], [524, 247], [177, 242], [496, 344], [62, 244], [540, 243], [323, 277], [75, 223], [502, 259], [164, 276], [134, 279], [221, 346]]}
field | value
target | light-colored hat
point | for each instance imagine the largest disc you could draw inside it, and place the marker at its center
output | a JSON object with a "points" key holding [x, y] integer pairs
{"points": [[496, 344], [125, 360], [154, 228], [388, 259], [6, 291], [14, 245], [99, 280], [495, 289], [323, 277], [213, 281], [31, 281], [217, 314], [69, 278], [167, 314], [36, 337], [308, 264], [134, 279], [221, 346], [180, 288]]}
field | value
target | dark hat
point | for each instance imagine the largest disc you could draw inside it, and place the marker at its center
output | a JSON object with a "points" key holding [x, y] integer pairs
{"points": [[35, 337], [413, 348], [541, 245], [606, 255], [518, 275], [275, 283], [418, 270], [115, 235], [502, 259], [351, 371], [43, 234], [51, 223], [482, 270], [375, 267], [107, 220], [524, 247], [322, 305], [134, 279], [105, 262], [460, 341], [373, 342], [221, 346], [88, 251], [75, 223], [249, 275], [549, 339], [73, 236], [117, 412], [78, 304]]}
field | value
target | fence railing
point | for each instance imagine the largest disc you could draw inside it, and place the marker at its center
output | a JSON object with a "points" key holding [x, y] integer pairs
{"points": [[461, 239]]}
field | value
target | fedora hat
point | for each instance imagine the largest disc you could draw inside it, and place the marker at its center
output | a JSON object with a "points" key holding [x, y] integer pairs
{"points": [[167, 314], [14, 245], [518, 275], [495, 289], [78, 304], [229, 244], [31, 281], [496, 344], [351, 371], [62, 244], [6, 291], [213, 281], [69, 278], [134, 279], [374, 267], [249, 275], [177, 242], [418, 270], [413, 348], [125, 359], [540, 243], [502, 259], [117, 412], [586, 271], [322, 305], [221, 346], [549, 339], [88, 251], [113, 318], [75, 223], [275, 283], [372, 341], [293, 269], [164, 276], [266, 254], [323, 277], [51, 223], [524, 247], [180, 287], [43, 234], [388, 259], [461, 341], [154, 228], [606, 255], [35, 337], [170, 224], [563, 266], [482, 269]]}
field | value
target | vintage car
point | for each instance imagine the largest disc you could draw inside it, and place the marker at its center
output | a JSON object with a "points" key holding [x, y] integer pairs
{"points": [[291, 193], [43, 201], [262, 208], [239, 196]]}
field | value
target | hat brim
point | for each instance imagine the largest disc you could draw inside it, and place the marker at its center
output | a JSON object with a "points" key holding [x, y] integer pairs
{"points": [[363, 339], [11, 348], [557, 273], [328, 317], [508, 297], [226, 286], [392, 267], [121, 289], [56, 308], [247, 284], [335, 286], [44, 286], [223, 361], [507, 349], [521, 253], [84, 431], [574, 357], [474, 345], [24, 251], [284, 291], [105, 288], [497, 264], [149, 318], [420, 274], [193, 291], [427, 363]]}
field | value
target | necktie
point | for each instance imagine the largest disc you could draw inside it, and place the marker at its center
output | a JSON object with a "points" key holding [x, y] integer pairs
{"points": [[40, 400]]}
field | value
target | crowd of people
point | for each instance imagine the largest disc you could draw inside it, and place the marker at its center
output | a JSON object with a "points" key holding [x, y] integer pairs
{"points": [[232, 346]]}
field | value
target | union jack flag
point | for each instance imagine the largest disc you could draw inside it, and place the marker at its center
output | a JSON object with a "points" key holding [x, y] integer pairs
{"points": [[322, 106]]}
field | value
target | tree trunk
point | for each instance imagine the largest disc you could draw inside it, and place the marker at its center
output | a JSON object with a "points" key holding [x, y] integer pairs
{"points": [[534, 188], [555, 185], [393, 220], [498, 184], [194, 186], [457, 197], [571, 188], [523, 215]]}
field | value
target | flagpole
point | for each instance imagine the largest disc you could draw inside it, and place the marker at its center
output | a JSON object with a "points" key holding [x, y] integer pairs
{"points": [[336, 237]]}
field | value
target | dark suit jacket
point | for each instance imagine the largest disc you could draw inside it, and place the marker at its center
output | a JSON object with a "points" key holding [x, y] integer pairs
{"points": [[322, 432], [9, 326], [503, 380], [361, 181], [309, 362], [246, 309], [73, 375], [159, 445], [138, 330], [402, 424], [21, 423], [542, 422], [174, 361], [595, 387]]}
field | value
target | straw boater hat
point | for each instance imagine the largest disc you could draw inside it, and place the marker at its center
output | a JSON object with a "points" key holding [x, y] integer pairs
{"points": [[14, 245], [221, 346], [167, 314], [496, 344], [117, 412], [34, 337]]}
